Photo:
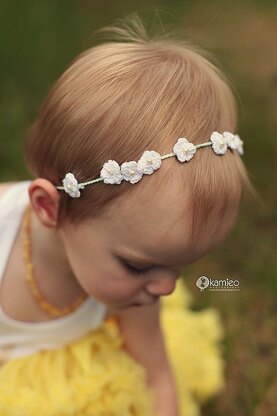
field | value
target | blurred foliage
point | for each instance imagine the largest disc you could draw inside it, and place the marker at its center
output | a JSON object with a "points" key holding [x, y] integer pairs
{"points": [[39, 38]]}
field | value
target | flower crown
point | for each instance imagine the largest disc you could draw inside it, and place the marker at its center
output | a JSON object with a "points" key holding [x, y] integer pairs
{"points": [[112, 173]]}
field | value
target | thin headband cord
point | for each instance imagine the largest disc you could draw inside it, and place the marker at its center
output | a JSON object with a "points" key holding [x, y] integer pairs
{"points": [[113, 174]]}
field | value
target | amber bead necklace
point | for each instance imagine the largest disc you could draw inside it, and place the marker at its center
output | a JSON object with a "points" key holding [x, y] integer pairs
{"points": [[30, 277]]}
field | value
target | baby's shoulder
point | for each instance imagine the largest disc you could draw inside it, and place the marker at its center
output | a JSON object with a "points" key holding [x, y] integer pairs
{"points": [[4, 186]]}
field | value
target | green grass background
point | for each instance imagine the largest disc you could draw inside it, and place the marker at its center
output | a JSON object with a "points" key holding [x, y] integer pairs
{"points": [[39, 38]]}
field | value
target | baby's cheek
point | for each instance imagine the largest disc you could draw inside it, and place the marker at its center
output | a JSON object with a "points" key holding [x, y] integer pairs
{"points": [[108, 287], [116, 289]]}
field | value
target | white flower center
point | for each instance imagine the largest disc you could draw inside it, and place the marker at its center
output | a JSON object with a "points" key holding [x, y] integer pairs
{"points": [[110, 170], [149, 161], [69, 186], [185, 149], [221, 143], [132, 172]]}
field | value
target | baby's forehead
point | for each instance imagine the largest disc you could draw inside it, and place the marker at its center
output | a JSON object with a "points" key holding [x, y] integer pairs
{"points": [[154, 222], [158, 221]]}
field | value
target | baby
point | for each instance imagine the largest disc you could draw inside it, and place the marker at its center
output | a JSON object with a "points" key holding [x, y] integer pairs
{"points": [[108, 223]]}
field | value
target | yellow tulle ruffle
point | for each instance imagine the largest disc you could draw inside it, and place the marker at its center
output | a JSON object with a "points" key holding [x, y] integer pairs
{"points": [[94, 376]]}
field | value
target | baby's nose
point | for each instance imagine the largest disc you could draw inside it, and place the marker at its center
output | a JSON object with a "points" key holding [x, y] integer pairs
{"points": [[162, 286]]}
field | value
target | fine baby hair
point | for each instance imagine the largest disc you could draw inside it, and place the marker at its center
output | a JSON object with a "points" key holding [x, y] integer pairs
{"points": [[132, 95]]}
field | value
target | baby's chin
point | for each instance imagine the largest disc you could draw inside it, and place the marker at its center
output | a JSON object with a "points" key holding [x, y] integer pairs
{"points": [[128, 305], [140, 304]]}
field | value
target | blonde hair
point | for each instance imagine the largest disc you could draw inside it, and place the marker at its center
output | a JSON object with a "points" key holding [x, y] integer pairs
{"points": [[125, 96]]}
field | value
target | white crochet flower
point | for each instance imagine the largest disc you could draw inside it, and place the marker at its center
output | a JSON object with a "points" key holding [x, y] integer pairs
{"points": [[230, 139], [219, 143], [131, 172], [149, 162], [234, 142], [111, 173], [71, 185], [184, 150], [239, 143]]}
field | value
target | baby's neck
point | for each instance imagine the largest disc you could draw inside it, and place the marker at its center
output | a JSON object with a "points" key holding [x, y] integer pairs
{"points": [[52, 270]]}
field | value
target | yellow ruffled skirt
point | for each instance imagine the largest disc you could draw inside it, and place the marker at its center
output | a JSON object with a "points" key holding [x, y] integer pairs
{"points": [[95, 376]]}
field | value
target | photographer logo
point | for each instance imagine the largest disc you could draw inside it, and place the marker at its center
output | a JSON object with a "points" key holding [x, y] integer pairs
{"points": [[203, 282]]}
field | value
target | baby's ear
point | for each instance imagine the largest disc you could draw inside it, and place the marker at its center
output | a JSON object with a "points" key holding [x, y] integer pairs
{"points": [[44, 199]]}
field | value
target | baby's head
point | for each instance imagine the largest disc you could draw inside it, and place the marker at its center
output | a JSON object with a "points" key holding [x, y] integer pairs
{"points": [[115, 101]]}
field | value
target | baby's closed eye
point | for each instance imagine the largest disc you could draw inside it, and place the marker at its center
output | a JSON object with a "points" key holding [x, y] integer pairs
{"points": [[136, 269]]}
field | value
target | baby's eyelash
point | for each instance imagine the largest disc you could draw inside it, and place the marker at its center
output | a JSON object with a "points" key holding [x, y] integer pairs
{"points": [[134, 270]]}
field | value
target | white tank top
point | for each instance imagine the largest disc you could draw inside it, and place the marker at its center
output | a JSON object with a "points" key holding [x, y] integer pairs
{"points": [[23, 338]]}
